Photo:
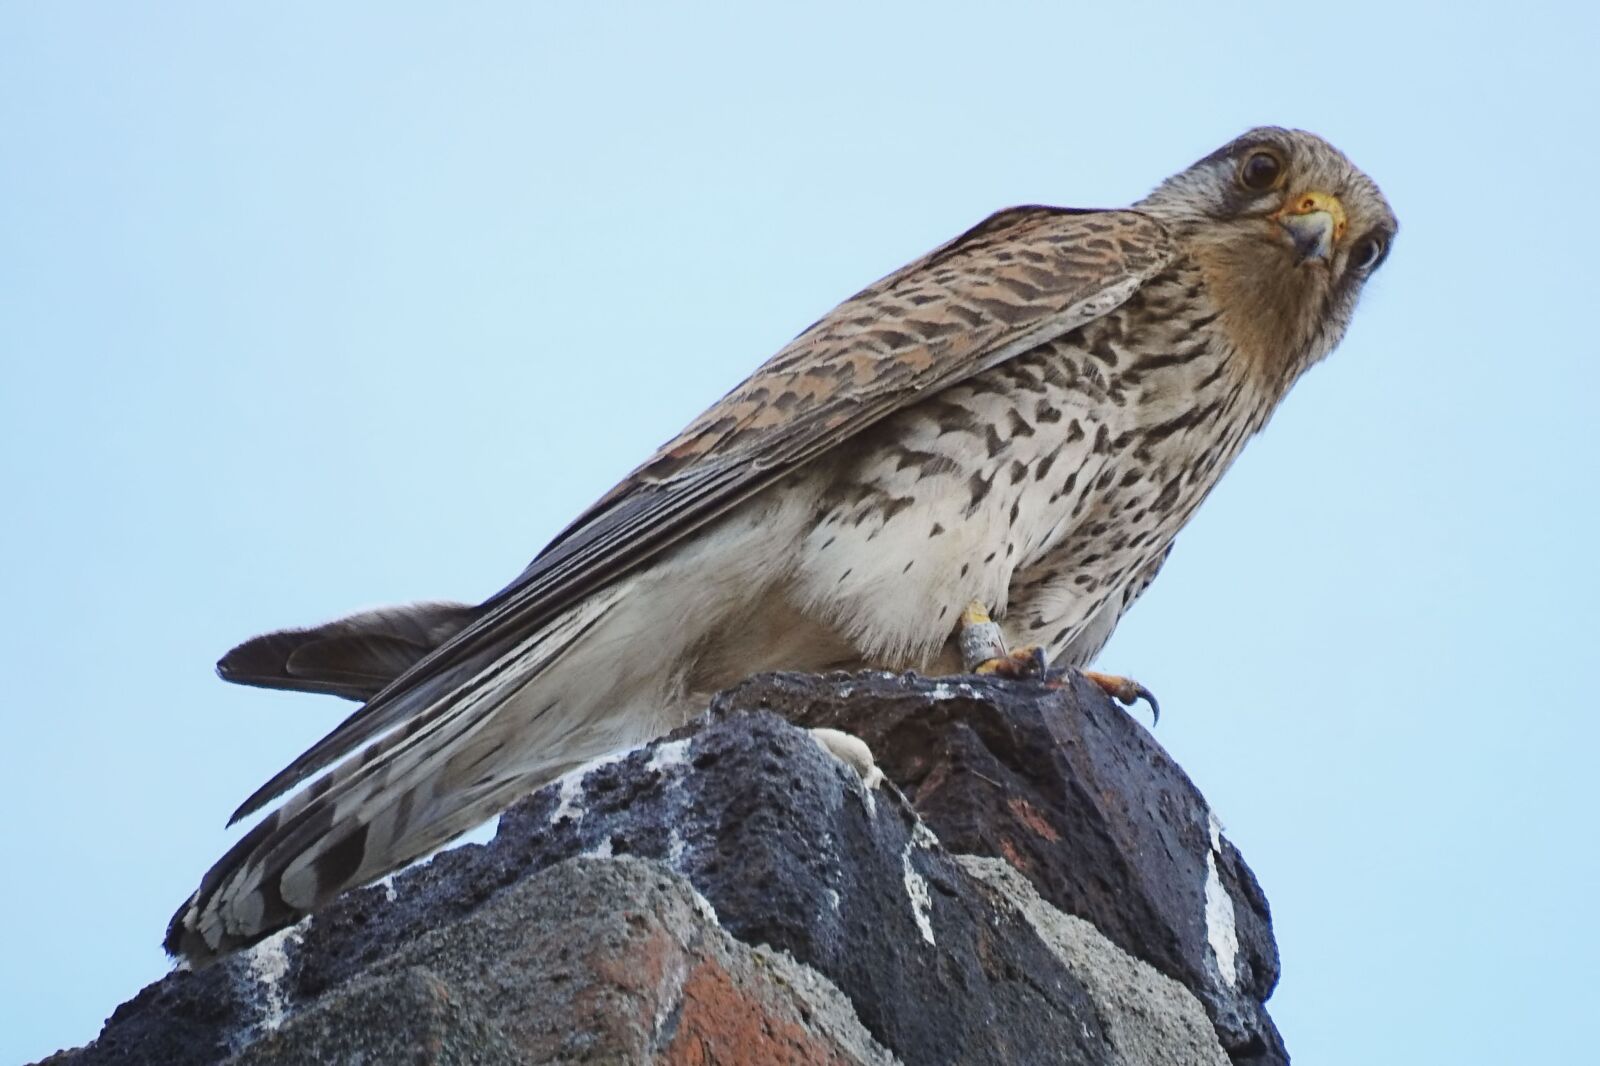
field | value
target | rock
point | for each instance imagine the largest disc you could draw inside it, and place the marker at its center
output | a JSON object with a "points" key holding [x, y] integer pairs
{"points": [[1068, 788], [732, 894], [791, 851], [592, 960], [411, 1016], [1149, 1018]]}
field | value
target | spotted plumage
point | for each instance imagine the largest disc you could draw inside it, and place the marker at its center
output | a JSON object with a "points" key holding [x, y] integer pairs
{"points": [[1024, 418]]}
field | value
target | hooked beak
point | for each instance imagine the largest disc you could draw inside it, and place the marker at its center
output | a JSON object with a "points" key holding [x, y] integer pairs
{"points": [[1314, 222]]}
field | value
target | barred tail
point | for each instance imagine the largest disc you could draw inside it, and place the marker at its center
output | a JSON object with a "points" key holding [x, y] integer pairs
{"points": [[447, 767]]}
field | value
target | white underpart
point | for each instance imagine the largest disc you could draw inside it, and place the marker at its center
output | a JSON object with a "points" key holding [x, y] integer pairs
{"points": [[886, 582], [1221, 933]]}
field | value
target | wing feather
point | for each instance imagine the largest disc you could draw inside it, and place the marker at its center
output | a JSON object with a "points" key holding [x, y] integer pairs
{"points": [[1019, 278]]}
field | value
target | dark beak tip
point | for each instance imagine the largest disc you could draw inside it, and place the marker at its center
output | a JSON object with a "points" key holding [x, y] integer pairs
{"points": [[1307, 247], [1311, 235]]}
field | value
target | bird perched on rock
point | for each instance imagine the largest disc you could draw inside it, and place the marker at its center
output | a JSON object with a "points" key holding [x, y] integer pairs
{"points": [[1021, 421]]}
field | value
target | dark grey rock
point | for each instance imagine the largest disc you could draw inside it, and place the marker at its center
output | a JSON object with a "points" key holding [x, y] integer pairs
{"points": [[793, 853], [1071, 790], [1149, 1018], [407, 1017]]}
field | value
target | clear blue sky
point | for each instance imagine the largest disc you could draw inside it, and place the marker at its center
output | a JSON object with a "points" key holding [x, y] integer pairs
{"points": [[314, 307]]}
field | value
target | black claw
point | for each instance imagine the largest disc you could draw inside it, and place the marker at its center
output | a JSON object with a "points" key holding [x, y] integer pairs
{"points": [[1062, 677], [1142, 693]]}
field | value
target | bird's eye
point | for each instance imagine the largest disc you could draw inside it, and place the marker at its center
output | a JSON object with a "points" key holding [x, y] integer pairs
{"points": [[1260, 170], [1367, 253]]}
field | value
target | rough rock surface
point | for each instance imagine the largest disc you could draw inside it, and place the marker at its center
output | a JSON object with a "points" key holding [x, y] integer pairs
{"points": [[1149, 1018], [733, 894], [1073, 792], [592, 960]]}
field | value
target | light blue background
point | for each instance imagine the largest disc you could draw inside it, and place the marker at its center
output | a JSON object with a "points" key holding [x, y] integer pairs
{"points": [[311, 307]]}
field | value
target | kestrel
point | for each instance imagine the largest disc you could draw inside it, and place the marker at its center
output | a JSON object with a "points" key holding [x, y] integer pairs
{"points": [[1020, 420]]}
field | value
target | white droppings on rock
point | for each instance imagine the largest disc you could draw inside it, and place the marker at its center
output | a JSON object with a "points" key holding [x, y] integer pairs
{"points": [[569, 801], [387, 884], [917, 892], [675, 847], [916, 885], [268, 964], [669, 756], [1221, 933], [703, 905], [567, 805], [601, 850]]}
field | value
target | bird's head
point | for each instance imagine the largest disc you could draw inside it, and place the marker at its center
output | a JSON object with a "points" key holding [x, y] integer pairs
{"points": [[1286, 231]]}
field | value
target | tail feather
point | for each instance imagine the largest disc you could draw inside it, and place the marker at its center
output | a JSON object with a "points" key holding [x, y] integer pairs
{"points": [[355, 657], [451, 765]]}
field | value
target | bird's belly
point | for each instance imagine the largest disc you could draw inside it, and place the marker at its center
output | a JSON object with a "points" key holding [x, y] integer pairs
{"points": [[941, 506], [1046, 485], [1086, 576]]}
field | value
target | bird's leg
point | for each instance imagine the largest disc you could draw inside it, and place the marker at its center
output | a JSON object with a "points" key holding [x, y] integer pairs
{"points": [[984, 651]]}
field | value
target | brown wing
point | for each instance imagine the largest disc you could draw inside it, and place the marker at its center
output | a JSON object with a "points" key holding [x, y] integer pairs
{"points": [[1021, 277]]}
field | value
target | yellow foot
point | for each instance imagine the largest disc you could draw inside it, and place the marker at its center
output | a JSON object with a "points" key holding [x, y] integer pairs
{"points": [[1025, 664], [1124, 690], [984, 651]]}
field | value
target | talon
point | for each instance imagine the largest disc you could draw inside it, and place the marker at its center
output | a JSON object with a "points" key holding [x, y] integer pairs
{"points": [[1125, 690], [1025, 664]]}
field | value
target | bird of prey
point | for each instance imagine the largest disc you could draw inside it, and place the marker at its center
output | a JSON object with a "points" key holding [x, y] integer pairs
{"points": [[1021, 421]]}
